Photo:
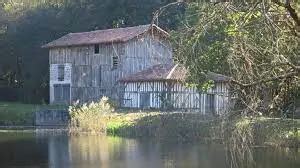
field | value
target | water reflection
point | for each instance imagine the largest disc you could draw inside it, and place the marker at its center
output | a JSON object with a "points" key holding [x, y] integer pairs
{"points": [[62, 151], [277, 157], [110, 152], [87, 151]]}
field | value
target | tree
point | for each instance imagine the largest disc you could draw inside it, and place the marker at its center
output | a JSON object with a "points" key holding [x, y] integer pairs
{"points": [[255, 43]]}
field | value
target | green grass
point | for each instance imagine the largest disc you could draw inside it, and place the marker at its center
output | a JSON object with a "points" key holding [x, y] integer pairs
{"points": [[98, 118], [15, 113], [192, 126], [176, 126]]}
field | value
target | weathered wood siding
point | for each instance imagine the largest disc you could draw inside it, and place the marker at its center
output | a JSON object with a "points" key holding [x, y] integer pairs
{"points": [[93, 75], [174, 95], [145, 52]]}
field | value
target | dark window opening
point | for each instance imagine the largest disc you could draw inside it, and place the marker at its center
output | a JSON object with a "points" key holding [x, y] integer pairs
{"points": [[115, 61], [96, 49], [61, 72], [210, 103], [163, 99]]}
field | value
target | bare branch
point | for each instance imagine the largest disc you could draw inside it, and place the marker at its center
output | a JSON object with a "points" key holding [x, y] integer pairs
{"points": [[284, 76], [290, 9]]}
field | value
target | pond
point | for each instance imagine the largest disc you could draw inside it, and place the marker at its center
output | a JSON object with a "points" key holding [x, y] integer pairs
{"points": [[40, 149]]}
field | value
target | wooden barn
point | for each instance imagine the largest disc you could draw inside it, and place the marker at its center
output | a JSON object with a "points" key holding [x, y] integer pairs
{"points": [[86, 66], [162, 87]]}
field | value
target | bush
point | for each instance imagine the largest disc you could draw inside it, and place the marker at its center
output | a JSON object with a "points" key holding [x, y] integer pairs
{"points": [[90, 117]]}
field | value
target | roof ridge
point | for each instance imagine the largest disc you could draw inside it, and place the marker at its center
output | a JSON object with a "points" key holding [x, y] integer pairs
{"points": [[111, 29], [122, 34]]}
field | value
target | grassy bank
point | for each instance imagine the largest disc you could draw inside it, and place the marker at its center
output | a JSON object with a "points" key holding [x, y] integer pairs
{"points": [[102, 118], [20, 114], [179, 126], [13, 113], [196, 127]]}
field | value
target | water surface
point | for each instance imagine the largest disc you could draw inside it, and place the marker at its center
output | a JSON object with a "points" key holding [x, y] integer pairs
{"points": [[62, 151]]}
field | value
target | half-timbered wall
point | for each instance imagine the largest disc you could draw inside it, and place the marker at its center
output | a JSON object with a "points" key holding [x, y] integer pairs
{"points": [[174, 95], [93, 75]]}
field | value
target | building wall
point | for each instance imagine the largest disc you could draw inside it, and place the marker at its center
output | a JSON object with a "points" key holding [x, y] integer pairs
{"points": [[174, 95], [93, 74], [145, 52], [54, 78]]}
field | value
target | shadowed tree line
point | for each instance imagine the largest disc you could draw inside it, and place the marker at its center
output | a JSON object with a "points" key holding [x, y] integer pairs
{"points": [[25, 25]]}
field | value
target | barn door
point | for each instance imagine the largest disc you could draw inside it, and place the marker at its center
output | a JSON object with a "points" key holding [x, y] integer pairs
{"points": [[145, 100], [62, 93]]}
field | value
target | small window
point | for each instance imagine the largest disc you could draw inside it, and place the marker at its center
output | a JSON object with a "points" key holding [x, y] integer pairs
{"points": [[61, 72], [96, 49], [115, 61]]}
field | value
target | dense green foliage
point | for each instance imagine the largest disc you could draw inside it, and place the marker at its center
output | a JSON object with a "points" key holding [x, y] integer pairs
{"points": [[201, 49], [25, 25], [256, 43]]}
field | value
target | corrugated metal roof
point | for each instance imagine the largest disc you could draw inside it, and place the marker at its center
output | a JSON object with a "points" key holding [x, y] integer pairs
{"points": [[164, 72], [103, 36]]}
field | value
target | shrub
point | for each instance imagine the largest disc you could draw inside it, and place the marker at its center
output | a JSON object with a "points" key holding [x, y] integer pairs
{"points": [[90, 117]]}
